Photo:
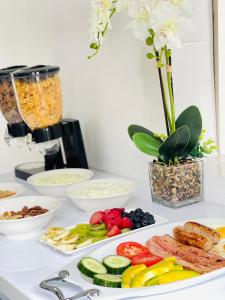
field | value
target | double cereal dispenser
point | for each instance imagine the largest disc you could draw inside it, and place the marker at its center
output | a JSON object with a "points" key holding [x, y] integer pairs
{"points": [[31, 101]]}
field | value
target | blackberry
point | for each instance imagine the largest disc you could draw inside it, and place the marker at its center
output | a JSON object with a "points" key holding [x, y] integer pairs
{"points": [[125, 214], [138, 210], [147, 214], [137, 226], [135, 218], [145, 221]]}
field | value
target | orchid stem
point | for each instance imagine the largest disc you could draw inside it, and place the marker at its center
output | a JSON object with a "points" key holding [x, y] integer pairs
{"points": [[164, 98], [170, 88]]}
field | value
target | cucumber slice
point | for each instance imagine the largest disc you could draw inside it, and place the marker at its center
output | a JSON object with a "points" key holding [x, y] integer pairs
{"points": [[90, 266], [116, 264], [107, 280]]}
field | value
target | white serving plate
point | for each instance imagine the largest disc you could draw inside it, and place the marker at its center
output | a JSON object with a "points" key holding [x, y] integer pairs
{"points": [[158, 220], [141, 237], [12, 186]]}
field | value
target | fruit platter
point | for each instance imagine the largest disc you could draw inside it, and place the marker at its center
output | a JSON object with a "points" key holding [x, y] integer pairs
{"points": [[159, 260], [101, 226]]}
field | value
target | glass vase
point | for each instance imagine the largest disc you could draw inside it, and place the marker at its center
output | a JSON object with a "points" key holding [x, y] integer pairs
{"points": [[177, 185]]}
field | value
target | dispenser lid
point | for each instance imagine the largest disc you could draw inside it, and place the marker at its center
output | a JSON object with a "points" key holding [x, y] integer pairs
{"points": [[7, 71], [36, 71]]}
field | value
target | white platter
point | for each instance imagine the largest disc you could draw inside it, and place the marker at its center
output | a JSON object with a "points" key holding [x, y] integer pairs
{"points": [[141, 237], [12, 186], [158, 221]]}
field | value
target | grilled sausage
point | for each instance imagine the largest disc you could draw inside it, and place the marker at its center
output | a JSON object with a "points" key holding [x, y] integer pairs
{"points": [[203, 230], [189, 238]]}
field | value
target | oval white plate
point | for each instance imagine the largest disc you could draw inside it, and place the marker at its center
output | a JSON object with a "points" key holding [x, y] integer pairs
{"points": [[13, 187], [158, 220], [141, 237]]}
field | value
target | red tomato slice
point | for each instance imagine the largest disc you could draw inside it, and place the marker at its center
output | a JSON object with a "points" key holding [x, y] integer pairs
{"points": [[131, 249], [148, 260]]}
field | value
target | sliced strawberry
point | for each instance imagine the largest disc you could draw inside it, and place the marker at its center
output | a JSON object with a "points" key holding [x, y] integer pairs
{"points": [[113, 231], [97, 218], [126, 223]]}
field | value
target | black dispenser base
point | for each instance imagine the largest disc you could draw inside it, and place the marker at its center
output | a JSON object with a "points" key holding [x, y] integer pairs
{"points": [[70, 155]]}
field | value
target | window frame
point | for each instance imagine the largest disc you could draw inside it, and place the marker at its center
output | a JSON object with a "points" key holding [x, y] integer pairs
{"points": [[219, 70]]}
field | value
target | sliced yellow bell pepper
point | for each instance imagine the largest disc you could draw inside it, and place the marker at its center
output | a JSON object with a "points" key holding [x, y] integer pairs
{"points": [[153, 281], [170, 259], [178, 267], [176, 275], [129, 274], [221, 231], [141, 278]]}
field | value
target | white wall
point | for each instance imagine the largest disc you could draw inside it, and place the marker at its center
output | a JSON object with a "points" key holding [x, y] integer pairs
{"points": [[119, 86]]}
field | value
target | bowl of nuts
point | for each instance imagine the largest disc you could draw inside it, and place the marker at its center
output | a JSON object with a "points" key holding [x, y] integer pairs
{"points": [[26, 215]]}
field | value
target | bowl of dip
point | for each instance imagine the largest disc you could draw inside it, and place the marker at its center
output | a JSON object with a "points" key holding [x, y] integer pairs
{"points": [[101, 194], [54, 183]]}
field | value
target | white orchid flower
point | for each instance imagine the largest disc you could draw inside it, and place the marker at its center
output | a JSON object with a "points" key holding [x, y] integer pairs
{"points": [[100, 17], [169, 24]]}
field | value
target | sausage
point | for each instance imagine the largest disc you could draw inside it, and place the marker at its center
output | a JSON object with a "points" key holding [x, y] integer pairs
{"points": [[189, 238], [203, 230]]}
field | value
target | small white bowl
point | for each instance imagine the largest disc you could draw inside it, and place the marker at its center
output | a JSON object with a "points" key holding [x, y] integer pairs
{"points": [[29, 225], [13, 187], [57, 190], [92, 203]]}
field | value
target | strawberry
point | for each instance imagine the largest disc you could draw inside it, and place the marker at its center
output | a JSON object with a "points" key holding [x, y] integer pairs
{"points": [[97, 218], [113, 231], [126, 223]]}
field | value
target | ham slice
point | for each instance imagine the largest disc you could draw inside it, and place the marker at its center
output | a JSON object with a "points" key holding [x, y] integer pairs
{"points": [[190, 257], [155, 249]]}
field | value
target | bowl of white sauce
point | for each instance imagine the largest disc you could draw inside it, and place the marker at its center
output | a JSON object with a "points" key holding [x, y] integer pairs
{"points": [[101, 194], [54, 183]]}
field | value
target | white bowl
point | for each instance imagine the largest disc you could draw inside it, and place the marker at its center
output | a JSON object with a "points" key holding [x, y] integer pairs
{"points": [[57, 190], [13, 187], [31, 224], [92, 203]]}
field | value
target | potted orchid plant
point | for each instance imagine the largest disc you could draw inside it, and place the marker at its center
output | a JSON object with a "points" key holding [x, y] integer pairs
{"points": [[176, 171]]}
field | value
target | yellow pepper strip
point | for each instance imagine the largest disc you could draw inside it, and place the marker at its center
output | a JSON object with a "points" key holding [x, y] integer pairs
{"points": [[178, 267], [129, 274], [153, 281], [176, 275], [171, 259], [141, 278], [221, 231]]}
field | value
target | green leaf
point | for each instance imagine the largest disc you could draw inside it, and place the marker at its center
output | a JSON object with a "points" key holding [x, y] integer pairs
{"points": [[174, 145], [150, 55], [147, 144], [132, 129], [149, 41], [190, 117]]}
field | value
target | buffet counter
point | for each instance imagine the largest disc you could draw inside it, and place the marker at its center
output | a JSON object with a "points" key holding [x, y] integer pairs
{"points": [[25, 263]]}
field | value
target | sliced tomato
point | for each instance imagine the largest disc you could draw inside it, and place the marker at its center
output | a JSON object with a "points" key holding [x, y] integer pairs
{"points": [[131, 249], [148, 260]]}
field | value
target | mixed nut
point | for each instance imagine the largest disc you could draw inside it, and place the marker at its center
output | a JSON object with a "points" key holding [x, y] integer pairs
{"points": [[5, 194], [25, 212]]}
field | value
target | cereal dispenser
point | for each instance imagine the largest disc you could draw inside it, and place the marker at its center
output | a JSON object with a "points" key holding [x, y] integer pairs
{"points": [[39, 102], [16, 128]]}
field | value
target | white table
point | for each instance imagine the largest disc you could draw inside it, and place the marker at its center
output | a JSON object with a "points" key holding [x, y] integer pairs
{"points": [[23, 264]]}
